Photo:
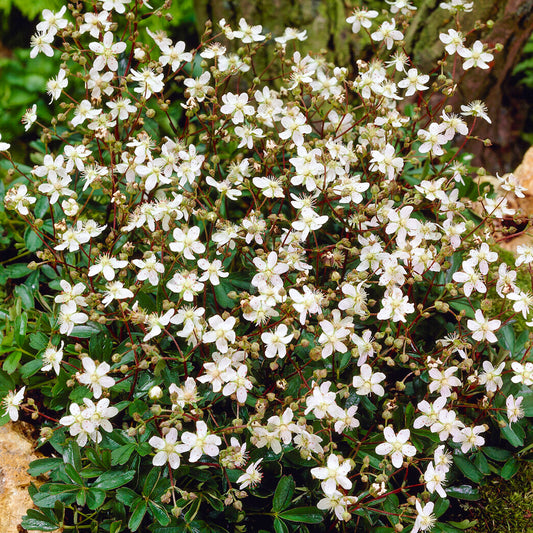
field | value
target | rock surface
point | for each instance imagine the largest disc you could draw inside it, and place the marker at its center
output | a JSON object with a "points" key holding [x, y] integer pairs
{"points": [[16, 453]]}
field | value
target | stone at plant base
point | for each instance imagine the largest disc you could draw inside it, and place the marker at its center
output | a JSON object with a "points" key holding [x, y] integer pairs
{"points": [[16, 453]]}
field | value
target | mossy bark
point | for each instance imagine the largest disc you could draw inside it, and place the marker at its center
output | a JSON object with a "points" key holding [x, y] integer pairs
{"points": [[325, 22], [513, 24]]}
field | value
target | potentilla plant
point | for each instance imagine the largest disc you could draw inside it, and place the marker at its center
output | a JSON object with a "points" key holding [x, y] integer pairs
{"points": [[264, 303]]}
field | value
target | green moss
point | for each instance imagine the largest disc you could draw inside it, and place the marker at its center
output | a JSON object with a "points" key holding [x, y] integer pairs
{"points": [[506, 506]]}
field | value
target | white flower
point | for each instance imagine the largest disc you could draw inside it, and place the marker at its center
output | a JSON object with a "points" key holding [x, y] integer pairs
{"points": [[116, 291], [12, 402], [276, 341], [251, 477], [476, 109], [168, 450], [150, 269], [95, 377], [335, 473], [106, 266], [106, 52], [469, 438], [368, 381], [514, 409], [56, 85], [442, 381], [425, 520], [221, 332], [69, 317], [491, 377], [396, 446], [475, 56], [201, 442], [361, 18], [387, 32], [52, 358], [482, 328]]}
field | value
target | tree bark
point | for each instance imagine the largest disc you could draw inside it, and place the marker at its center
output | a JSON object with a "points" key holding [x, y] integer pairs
{"points": [[325, 22], [508, 108]]}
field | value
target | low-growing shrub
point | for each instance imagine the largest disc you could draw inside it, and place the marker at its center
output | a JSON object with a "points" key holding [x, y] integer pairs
{"points": [[260, 304]]}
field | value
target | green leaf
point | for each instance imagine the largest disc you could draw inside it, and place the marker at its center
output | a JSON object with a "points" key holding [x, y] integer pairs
{"points": [[464, 524], [32, 240], [17, 270], [73, 474], [85, 331], [280, 526], [38, 341], [41, 466], [126, 496], [115, 527], [120, 455], [468, 468], [496, 454], [95, 498], [283, 495], [26, 296], [514, 435], [113, 480], [510, 468], [11, 362], [20, 326], [30, 368], [306, 515], [464, 492], [482, 464], [151, 480], [137, 515], [72, 455], [441, 507], [158, 512]]}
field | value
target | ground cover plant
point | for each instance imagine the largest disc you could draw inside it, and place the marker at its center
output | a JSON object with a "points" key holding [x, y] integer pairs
{"points": [[257, 303]]}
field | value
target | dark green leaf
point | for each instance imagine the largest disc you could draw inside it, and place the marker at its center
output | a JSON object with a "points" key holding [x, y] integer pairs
{"points": [[26, 296], [41, 466], [151, 480], [306, 515], [120, 455], [441, 507], [510, 468], [18, 270], [482, 464], [30, 368], [283, 495], [280, 526], [158, 512], [85, 331], [496, 454], [32, 241], [113, 480], [468, 468], [72, 456], [38, 341], [21, 322], [514, 435], [126, 496], [463, 492], [95, 498], [11, 362], [73, 474], [137, 515]]}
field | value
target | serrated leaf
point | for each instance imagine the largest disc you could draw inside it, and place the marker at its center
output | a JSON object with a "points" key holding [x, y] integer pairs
{"points": [[126, 496], [283, 494], [85, 331]]}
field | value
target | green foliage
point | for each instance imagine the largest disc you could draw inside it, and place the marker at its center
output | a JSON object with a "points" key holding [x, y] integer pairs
{"points": [[30, 9]]}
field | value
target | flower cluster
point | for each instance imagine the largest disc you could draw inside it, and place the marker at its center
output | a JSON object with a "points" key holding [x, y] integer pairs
{"points": [[270, 272]]}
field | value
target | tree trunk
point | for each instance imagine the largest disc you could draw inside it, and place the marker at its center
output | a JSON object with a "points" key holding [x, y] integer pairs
{"points": [[325, 22], [508, 109]]}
